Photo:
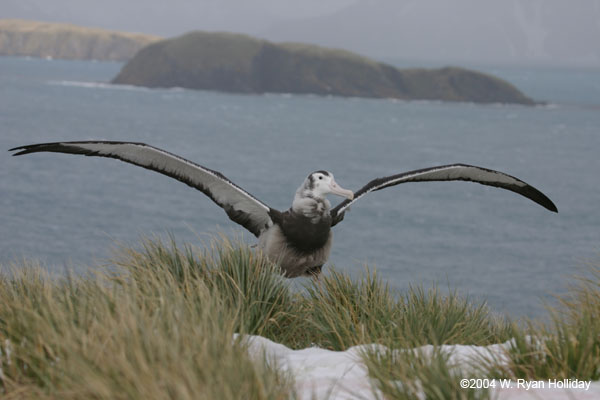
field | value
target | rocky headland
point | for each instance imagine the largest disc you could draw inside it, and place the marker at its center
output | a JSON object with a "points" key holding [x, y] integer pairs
{"points": [[54, 40]]}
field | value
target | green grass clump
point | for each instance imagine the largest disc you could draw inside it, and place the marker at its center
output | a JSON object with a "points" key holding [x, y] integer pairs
{"points": [[341, 313], [245, 281], [566, 348], [430, 317], [130, 334], [415, 374], [344, 313]]}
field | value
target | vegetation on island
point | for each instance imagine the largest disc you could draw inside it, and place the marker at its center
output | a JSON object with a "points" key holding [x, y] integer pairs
{"points": [[159, 322], [238, 63], [56, 40]]}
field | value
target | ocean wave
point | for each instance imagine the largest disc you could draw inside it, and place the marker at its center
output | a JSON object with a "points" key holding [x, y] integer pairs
{"points": [[547, 106], [97, 85]]}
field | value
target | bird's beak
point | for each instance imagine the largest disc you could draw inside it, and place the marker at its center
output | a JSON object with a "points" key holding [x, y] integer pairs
{"points": [[336, 189]]}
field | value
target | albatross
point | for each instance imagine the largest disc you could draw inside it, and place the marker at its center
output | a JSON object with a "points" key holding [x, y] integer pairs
{"points": [[299, 239]]}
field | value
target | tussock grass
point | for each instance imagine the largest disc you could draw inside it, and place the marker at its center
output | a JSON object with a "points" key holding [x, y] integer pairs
{"points": [[344, 313], [431, 317], [245, 281], [418, 374], [160, 323], [568, 346], [341, 313], [134, 334]]}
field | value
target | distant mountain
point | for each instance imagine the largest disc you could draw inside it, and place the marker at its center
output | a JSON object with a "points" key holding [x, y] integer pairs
{"points": [[549, 32], [41, 39], [239, 63]]}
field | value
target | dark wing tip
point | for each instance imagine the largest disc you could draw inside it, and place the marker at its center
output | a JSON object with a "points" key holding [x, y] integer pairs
{"points": [[545, 202], [65, 147], [551, 206], [22, 148], [548, 204], [36, 148]]}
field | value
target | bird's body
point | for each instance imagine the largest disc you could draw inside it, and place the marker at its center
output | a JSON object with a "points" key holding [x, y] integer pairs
{"points": [[299, 240], [297, 255]]}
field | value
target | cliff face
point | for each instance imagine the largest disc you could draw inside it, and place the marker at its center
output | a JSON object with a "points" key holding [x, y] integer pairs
{"points": [[41, 39], [238, 63]]}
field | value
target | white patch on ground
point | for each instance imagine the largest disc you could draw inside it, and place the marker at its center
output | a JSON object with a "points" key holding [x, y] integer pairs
{"points": [[336, 375]]}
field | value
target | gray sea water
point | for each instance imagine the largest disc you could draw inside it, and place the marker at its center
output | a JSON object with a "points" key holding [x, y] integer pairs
{"points": [[69, 211]]}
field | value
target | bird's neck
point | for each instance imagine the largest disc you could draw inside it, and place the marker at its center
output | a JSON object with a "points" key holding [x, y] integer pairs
{"points": [[311, 206]]}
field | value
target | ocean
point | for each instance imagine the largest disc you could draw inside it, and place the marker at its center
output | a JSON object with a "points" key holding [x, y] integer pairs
{"points": [[71, 212]]}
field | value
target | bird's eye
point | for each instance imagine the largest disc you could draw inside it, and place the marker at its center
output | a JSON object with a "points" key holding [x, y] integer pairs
{"points": [[320, 177]]}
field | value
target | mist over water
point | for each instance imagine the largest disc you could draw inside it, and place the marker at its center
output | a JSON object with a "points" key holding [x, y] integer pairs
{"points": [[69, 211]]}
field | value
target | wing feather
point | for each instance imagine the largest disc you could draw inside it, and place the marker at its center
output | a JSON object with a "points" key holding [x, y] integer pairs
{"points": [[453, 172], [240, 206]]}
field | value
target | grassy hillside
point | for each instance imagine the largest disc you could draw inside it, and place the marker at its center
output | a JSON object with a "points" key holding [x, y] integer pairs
{"points": [[157, 323], [242, 64], [44, 39]]}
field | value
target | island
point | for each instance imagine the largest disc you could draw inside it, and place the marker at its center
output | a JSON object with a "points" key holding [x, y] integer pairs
{"points": [[66, 41], [239, 63]]}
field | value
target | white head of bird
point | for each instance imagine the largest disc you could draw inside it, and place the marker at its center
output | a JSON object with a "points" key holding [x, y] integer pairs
{"points": [[310, 197]]}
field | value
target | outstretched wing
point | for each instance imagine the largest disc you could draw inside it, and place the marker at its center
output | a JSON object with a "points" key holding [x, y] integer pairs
{"points": [[454, 172], [240, 206]]}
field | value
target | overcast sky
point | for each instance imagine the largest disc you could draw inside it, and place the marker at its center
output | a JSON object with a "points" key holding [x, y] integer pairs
{"points": [[171, 17], [548, 32]]}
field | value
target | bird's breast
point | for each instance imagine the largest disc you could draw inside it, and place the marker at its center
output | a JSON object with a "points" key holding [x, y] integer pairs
{"points": [[303, 233]]}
